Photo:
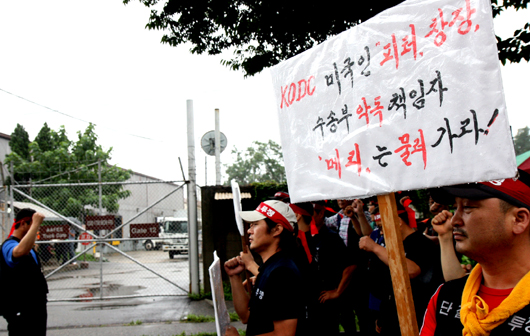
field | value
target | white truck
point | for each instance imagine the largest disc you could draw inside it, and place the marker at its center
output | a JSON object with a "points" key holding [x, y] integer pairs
{"points": [[174, 231]]}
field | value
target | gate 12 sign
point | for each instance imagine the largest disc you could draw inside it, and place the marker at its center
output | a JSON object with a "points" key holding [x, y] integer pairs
{"points": [[145, 230], [100, 222], [409, 99]]}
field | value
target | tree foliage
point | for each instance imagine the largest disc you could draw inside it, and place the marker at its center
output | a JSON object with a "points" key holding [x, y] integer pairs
{"points": [[19, 142], [55, 159], [263, 33], [522, 141], [262, 162]]}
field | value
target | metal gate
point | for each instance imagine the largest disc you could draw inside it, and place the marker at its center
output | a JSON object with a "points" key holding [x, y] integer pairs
{"points": [[138, 249]]}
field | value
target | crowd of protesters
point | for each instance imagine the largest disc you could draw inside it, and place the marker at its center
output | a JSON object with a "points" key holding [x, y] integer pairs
{"points": [[326, 272]]}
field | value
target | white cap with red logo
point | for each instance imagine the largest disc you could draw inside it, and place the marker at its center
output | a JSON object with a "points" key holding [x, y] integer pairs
{"points": [[277, 211]]}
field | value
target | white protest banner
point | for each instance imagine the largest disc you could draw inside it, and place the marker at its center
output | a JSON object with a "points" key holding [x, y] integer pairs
{"points": [[409, 99], [222, 319], [236, 197]]}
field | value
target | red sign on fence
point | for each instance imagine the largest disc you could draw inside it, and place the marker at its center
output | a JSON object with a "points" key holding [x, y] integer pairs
{"points": [[85, 236], [49, 232], [100, 222], [145, 230]]}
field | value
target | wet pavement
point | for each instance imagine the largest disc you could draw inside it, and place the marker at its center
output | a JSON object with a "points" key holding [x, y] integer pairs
{"points": [[146, 316], [159, 310]]}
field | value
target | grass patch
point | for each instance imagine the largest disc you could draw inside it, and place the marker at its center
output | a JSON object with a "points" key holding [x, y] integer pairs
{"points": [[133, 323], [192, 318], [233, 317], [227, 291], [241, 332], [201, 296], [87, 257]]}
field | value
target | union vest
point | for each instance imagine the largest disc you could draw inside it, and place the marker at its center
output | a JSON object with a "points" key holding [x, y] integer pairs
{"points": [[448, 314]]}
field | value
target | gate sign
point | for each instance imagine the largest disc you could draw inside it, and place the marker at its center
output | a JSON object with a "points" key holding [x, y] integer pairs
{"points": [[100, 222], [409, 99], [50, 232], [145, 230]]}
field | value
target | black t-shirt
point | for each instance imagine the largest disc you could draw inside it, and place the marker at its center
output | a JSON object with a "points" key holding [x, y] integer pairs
{"points": [[426, 255], [330, 258], [379, 280], [275, 296]]}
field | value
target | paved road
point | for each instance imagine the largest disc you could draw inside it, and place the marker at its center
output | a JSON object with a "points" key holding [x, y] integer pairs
{"points": [[160, 309], [158, 316], [155, 274]]}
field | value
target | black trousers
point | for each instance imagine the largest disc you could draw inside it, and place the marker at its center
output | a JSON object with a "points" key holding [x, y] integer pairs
{"points": [[31, 320]]}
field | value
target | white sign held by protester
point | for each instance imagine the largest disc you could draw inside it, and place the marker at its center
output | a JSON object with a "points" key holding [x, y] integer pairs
{"points": [[222, 319], [409, 99], [236, 197]]}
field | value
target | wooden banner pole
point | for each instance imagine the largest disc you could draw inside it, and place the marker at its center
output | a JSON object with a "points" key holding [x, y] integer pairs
{"points": [[398, 265]]}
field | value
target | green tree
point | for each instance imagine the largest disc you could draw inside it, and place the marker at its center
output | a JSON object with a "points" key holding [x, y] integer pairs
{"points": [[19, 142], [522, 140], [262, 162], [66, 162], [264, 32], [45, 139]]}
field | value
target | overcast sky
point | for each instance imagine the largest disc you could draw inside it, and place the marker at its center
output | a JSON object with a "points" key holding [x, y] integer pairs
{"points": [[94, 61]]}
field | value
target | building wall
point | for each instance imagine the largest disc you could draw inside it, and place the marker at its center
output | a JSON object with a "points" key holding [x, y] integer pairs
{"points": [[143, 195], [4, 150]]}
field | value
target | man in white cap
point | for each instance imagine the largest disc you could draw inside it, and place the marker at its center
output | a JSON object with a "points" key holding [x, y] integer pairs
{"points": [[273, 307]]}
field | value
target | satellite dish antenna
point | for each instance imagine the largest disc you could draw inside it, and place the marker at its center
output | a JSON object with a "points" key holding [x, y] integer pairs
{"points": [[208, 142]]}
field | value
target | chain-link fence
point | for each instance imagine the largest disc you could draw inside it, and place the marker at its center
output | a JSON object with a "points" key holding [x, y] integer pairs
{"points": [[110, 239]]}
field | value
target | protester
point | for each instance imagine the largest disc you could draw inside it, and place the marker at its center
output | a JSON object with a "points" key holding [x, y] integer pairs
{"points": [[302, 257], [72, 233], [434, 208], [331, 272], [491, 225], [356, 296], [450, 261], [406, 202], [24, 287], [281, 196], [359, 219], [273, 306], [423, 264], [340, 223]]}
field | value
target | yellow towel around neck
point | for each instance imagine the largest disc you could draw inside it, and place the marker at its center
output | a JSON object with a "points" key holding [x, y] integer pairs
{"points": [[474, 312]]}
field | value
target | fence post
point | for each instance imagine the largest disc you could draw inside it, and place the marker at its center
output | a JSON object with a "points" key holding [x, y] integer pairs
{"points": [[192, 205], [12, 212], [101, 234], [217, 149], [100, 191]]}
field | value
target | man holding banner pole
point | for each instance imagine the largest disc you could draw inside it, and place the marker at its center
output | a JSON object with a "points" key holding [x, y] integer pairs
{"points": [[491, 225], [273, 307]]}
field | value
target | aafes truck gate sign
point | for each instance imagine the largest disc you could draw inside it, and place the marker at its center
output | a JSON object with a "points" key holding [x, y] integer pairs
{"points": [[50, 232]]}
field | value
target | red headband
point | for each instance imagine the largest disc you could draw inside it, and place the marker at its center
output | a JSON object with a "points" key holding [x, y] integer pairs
{"points": [[274, 215], [299, 210], [25, 219], [319, 207], [281, 194]]}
